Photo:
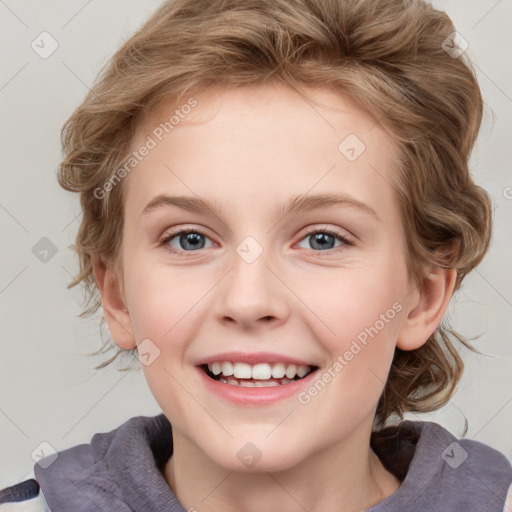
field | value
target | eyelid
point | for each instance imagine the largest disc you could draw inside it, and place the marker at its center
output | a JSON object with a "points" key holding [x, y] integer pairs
{"points": [[334, 231]]}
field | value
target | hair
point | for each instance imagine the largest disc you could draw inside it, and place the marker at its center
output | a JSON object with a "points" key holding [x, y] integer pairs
{"points": [[386, 55]]}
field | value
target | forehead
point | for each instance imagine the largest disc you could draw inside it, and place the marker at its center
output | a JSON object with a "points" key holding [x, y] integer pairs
{"points": [[276, 105], [221, 143]]}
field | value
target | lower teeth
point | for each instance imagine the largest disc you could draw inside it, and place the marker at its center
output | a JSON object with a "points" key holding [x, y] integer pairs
{"points": [[255, 383]]}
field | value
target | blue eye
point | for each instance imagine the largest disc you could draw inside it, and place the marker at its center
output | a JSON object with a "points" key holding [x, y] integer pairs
{"points": [[324, 238], [190, 240]]}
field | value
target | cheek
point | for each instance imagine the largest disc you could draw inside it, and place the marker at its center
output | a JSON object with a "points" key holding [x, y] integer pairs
{"points": [[360, 315], [360, 348], [349, 304], [161, 300]]}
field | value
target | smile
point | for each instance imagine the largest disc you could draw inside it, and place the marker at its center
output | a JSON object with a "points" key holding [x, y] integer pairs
{"points": [[256, 375]]}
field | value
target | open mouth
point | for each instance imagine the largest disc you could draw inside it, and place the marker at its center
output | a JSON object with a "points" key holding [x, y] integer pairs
{"points": [[260, 375]]}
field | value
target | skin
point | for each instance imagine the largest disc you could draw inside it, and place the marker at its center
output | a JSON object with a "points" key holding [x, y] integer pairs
{"points": [[248, 151]]}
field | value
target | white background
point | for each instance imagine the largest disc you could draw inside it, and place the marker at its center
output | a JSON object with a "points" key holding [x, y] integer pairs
{"points": [[49, 389]]}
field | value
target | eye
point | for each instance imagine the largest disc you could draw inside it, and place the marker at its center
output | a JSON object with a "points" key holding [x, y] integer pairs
{"points": [[323, 239], [187, 240]]}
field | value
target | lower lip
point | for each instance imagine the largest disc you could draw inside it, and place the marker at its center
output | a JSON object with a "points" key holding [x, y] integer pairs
{"points": [[254, 396]]}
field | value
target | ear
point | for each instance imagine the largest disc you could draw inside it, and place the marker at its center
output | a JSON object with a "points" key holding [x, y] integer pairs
{"points": [[114, 308], [426, 308]]}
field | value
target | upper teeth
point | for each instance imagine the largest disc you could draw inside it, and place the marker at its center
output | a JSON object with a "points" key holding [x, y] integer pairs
{"points": [[260, 371]]}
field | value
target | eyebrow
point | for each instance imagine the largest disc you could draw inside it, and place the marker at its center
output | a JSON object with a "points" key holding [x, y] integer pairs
{"points": [[295, 205]]}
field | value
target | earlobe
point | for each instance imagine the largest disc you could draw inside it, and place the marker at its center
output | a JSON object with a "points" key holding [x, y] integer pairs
{"points": [[427, 309], [116, 314]]}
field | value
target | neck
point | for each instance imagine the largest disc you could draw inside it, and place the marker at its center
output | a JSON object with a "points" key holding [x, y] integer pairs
{"points": [[347, 477]]}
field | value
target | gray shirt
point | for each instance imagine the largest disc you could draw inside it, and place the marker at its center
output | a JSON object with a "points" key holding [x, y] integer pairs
{"points": [[121, 471]]}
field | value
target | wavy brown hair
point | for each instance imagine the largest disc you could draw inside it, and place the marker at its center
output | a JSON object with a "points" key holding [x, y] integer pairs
{"points": [[387, 55]]}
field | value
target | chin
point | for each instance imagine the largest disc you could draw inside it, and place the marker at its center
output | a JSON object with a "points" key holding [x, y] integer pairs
{"points": [[254, 458]]}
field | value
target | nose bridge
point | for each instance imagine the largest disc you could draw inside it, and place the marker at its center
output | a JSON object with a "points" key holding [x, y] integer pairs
{"points": [[251, 291]]}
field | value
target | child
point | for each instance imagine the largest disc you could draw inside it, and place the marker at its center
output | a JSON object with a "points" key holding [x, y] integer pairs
{"points": [[258, 131]]}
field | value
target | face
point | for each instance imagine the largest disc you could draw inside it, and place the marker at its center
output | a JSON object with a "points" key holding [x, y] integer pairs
{"points": [[269, 326]]}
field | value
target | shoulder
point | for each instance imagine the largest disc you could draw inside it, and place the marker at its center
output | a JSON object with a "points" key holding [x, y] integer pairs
{"points": [[23, 497], [480, 473], [439, 470]]}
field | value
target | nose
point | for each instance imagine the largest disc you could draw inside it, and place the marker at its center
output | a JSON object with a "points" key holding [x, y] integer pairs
{"points": [[252, 295]]}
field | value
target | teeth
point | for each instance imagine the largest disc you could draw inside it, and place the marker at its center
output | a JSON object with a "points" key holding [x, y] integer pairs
{"points": [[247, 384], [258, 372], [227, 369], [291, 371], [302, 370], [261, 371], [242, 370], [278, 370]]}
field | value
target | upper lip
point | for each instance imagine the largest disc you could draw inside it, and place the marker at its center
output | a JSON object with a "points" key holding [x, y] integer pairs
{"points": [[252, 358]]}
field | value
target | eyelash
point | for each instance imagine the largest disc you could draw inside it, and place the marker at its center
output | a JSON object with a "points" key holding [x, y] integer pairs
{"points": [[168, 237]]}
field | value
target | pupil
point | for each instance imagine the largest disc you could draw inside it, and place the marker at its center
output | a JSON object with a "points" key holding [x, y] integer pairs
{"points": [[323, 239], [191, 238]]}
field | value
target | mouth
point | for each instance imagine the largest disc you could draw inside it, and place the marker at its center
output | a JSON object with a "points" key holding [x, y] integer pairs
{"points": [[261, 375]]}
